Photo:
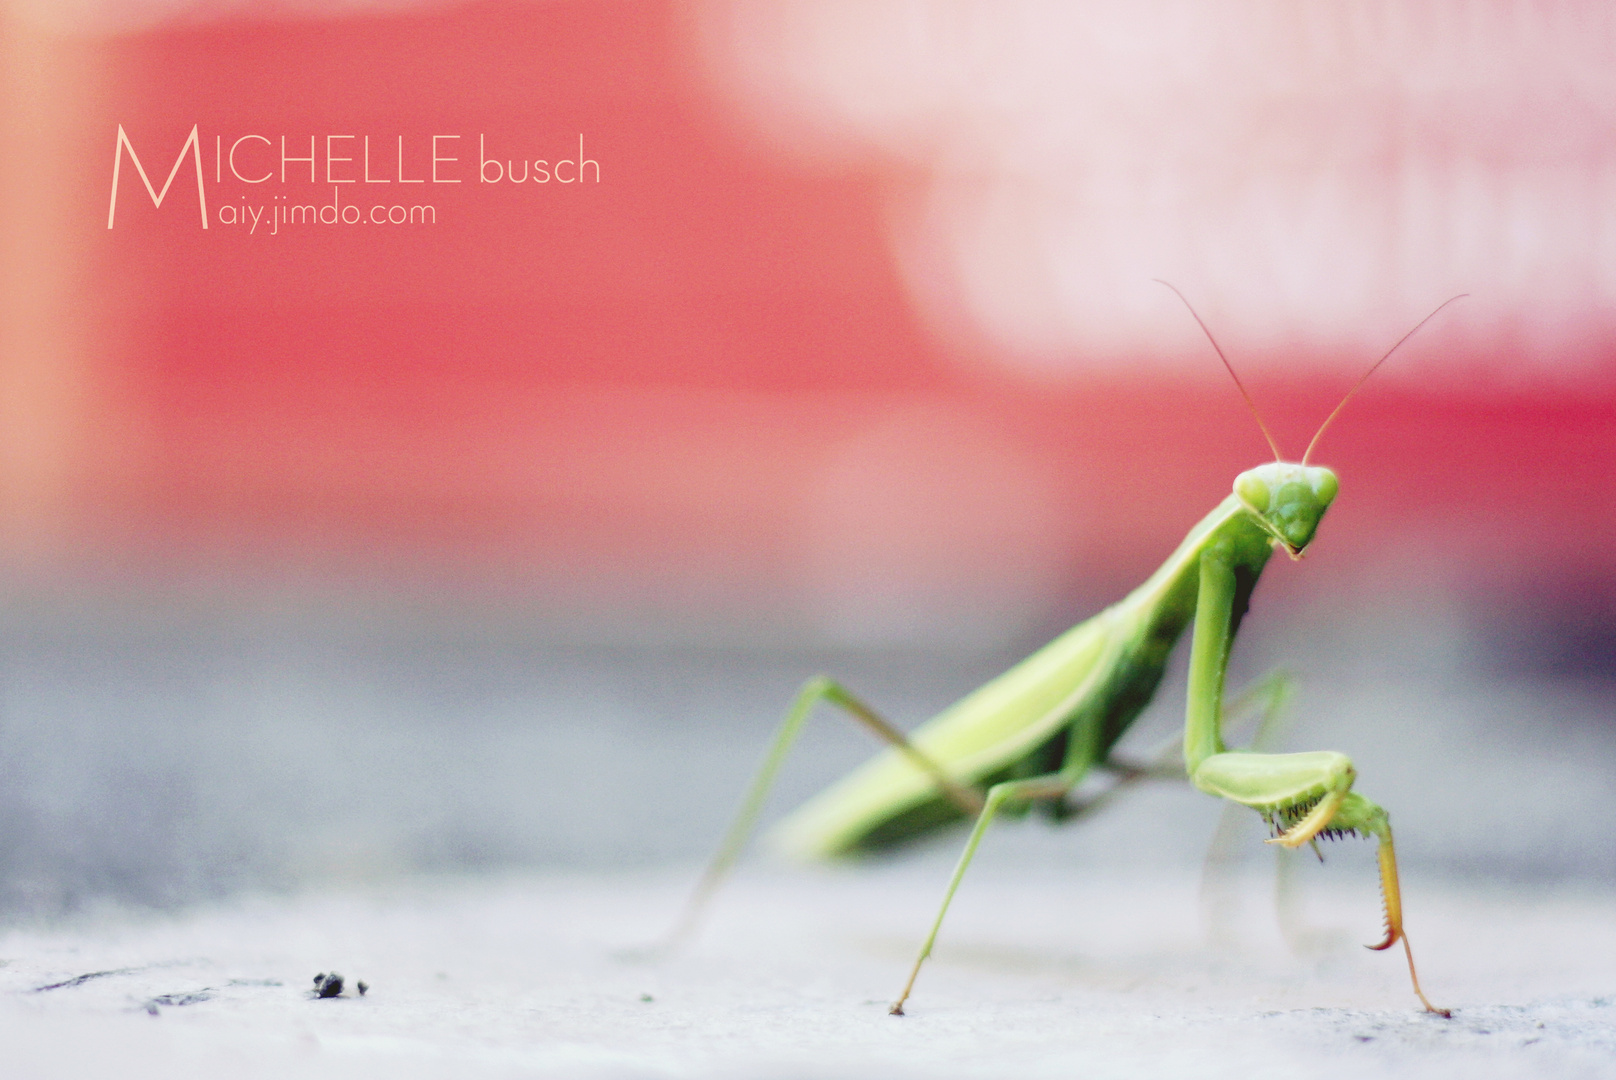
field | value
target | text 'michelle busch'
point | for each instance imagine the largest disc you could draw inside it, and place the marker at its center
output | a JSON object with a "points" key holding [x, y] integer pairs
{"points": [[334, 161]]}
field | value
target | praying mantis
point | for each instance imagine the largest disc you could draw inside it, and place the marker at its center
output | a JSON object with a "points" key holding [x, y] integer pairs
{"points": [[1032, 734]]}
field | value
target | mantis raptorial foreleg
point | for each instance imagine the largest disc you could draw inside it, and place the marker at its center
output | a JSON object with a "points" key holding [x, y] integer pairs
{"points": [[815, 690], [1302, 794]]}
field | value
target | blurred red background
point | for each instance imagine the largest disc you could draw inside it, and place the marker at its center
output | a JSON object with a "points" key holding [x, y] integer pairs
{"points": [[702, 389]]}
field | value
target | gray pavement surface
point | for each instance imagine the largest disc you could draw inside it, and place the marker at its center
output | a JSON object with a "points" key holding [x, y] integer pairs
{"points": [[1041, 973]]}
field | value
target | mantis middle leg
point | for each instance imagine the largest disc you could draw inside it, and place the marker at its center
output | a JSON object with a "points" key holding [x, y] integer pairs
{"points": [[1054, 785], [1271, 693]]}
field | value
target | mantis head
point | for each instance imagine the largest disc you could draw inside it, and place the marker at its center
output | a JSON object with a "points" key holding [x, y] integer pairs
{"points": [[1287, 500]]}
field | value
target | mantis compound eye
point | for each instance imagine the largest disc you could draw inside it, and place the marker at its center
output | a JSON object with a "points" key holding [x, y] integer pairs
{"points": [[1253, 491], [1324, 484]]}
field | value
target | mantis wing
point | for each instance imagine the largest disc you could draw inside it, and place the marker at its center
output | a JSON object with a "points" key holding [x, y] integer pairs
{"points": [[997, 724], [1102, 671]]}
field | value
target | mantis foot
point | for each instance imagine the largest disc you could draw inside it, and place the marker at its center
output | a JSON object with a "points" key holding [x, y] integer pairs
{"points": [[1392, 896]]}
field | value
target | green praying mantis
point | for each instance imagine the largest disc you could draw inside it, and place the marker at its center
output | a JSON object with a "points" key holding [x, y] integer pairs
{"points": [[1031, 735]]}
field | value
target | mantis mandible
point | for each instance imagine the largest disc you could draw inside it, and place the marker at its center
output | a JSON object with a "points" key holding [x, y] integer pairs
{"points": [[1032, 734]]}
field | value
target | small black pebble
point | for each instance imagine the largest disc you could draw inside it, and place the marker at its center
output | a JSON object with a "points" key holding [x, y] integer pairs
{"points": [[363, 987], [328, 986]]}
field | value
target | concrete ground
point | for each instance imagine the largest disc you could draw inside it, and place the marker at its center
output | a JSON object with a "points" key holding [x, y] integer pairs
{"points": [[1040, 973]]}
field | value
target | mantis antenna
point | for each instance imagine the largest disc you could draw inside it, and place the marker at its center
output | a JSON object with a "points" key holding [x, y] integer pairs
{"points": [[1371, 371], [1272, 445]]}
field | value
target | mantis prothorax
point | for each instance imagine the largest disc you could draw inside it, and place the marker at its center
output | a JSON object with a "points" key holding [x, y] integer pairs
{"points": [[1032, 734]]}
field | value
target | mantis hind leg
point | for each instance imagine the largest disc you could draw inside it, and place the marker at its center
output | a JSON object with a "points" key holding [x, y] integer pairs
{"points": [[815, 690]]}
